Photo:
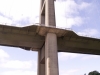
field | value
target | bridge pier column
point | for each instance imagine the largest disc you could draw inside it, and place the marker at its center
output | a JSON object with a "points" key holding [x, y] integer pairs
{"points": [[47, 17], [51, 55], [41, 62]]}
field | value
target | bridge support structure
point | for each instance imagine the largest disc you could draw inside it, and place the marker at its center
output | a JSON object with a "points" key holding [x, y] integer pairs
{"points": [[48, 55]]}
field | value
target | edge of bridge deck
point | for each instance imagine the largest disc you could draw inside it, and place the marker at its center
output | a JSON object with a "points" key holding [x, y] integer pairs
{"points": [[32, 37]]}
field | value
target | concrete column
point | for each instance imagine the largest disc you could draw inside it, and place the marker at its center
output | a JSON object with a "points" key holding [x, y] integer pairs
{"points": [[42, 16], [51, 55], [41, 64], [50, 13]]}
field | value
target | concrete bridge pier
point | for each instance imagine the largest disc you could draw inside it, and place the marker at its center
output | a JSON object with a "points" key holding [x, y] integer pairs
{"points": [[48, 56], [41, 62], [51, 55]]}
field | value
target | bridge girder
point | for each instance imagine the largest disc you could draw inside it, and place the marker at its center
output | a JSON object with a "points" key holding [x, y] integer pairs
{"points": [[33, 38]]}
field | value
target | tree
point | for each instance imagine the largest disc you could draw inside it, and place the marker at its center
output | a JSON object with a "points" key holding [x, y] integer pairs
{"points": [[94, 73]]}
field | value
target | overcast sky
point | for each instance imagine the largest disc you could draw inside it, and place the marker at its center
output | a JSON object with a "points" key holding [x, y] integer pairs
{"points": [[82, 16]]}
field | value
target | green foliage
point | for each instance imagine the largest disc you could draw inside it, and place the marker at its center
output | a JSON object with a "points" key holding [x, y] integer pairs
{"points": [[94, 73]]}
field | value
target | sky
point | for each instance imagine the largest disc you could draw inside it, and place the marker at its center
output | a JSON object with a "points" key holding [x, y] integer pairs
{"points": [[81, 16]]}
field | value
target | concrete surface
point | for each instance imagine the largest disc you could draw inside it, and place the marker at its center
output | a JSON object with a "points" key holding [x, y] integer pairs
{"points": [[33, 37], [51, 55]]}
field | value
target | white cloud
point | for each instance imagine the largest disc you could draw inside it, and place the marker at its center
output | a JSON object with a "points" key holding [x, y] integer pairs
{"points": [[66, 56], [77, 21], [20, 9], [84, 5], [3, 56], [4, 20], [27, 11], [67, 13], [6, 62], [18, 72], [16, 67], [88, 32], [90, 57], [17, 64], [69, 72]]}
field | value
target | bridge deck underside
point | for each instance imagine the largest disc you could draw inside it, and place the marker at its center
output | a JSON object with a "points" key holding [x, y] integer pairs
{"points": [[33, 37]]}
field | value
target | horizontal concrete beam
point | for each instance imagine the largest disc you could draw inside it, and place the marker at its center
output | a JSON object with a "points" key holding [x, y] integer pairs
{"points": [[81, 45], [43, 30], [21, 40], [23, 37], [33, 37]]}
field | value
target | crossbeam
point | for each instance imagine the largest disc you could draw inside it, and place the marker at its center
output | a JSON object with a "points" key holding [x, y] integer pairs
{"points": [[23, 37], [33, 37]]}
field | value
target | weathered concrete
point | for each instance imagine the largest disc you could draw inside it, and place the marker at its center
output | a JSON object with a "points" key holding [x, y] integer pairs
{"points": [[47, 17], [42, 12], [41, 62], [33, 37], [50, 13], [51, 55]]}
